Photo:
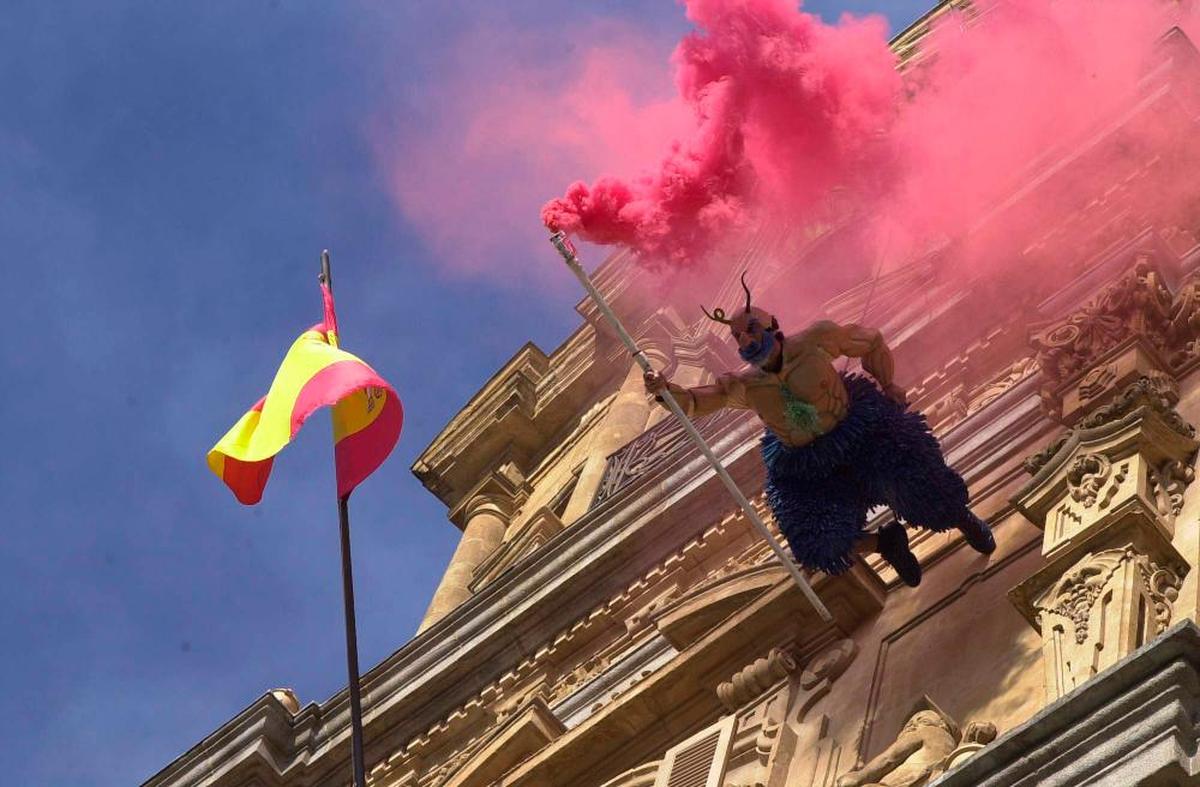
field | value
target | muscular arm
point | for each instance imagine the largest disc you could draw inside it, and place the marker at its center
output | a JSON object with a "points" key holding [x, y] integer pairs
{"points": [[728, 391], [855, 341]]}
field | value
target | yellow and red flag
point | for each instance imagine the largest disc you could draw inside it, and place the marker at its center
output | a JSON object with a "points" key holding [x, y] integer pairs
{"points": [[367, 414]]}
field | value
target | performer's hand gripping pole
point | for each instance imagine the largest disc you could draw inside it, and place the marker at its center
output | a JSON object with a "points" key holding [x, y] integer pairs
{"points": [[567, 250]]}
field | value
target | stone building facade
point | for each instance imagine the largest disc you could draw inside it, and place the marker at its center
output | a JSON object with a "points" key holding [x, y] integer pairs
{"points": [[610, 620]]}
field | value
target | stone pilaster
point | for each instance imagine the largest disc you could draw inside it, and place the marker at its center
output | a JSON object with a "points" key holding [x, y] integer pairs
{"points": [[626, 419], [1106, 495]]}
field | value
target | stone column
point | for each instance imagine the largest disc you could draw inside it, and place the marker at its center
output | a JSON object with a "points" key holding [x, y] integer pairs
{"points": [[486, 517], [1107, 494], [626, 419]]}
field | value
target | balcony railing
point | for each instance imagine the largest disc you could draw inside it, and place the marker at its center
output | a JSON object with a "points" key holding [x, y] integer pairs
{"points": [[651, 449]]}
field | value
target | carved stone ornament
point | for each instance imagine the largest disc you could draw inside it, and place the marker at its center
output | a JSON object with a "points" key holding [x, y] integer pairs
{"points": [[1095, 381], [929, 744], [1137, 303], [1185, 322], [998, 387], [1109, 604], [648, 451], [1079, 590], [1127, 462], [1168, 483], [783, 738], [1158, 392], [1087, 476], [754, 679], [1106, 495]]}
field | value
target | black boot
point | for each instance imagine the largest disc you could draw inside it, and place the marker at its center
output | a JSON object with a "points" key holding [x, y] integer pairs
{"points": [[893, 546], [978, 535]]}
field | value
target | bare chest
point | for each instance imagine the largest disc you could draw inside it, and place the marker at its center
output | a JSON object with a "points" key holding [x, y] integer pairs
{"points": [[803, 401], [810, 378]]}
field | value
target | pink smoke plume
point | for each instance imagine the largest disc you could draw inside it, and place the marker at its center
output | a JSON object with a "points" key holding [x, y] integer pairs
{"points": [[510, 112], [786, 108], [1002, 94]]}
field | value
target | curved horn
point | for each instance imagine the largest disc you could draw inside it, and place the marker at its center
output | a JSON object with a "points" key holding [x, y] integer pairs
{"points": [[718, 315], [747, 289]]}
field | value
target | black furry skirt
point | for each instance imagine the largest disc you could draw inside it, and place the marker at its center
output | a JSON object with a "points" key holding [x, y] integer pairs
{"points": [[880, 454]]}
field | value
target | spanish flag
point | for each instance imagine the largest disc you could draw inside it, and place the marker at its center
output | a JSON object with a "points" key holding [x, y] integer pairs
{"points": [[367, 414]]}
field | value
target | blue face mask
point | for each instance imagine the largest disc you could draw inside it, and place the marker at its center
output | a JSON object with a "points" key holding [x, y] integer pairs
{"points": [[758, 352]]}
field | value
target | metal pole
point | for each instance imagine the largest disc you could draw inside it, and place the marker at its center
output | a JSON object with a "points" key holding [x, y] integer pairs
{"points": [[567, 250], [356, 730]]}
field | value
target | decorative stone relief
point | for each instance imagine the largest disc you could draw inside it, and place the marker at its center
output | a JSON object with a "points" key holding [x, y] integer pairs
{"points": [[1076, 355], [1185, 322], [1136, 452], [1108, 605], [1155, 390], [1106, 495], [773, 730], [1087, 475], [793, 738], [1134, 326], [1095, 381], [752, 680], [645, 452], [1168, 483], [996, 388], [928, 745], [1138, 303]]}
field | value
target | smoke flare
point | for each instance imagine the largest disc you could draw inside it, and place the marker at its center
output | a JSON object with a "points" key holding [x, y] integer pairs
{"points": [[784, 108], [787, 108]]}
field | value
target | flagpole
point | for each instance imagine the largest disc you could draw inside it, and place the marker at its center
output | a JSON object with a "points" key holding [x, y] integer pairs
{"points": [[356, 730], [567, 250]]}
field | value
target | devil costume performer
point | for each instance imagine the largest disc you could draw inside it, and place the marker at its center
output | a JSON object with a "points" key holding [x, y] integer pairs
{"points": [[836, 445]]}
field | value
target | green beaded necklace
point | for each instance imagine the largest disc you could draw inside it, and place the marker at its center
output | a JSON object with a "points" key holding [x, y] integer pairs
{"points": [[799, 413]]}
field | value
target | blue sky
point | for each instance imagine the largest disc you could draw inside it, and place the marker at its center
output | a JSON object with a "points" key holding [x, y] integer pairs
{"points": [[168, 176]]}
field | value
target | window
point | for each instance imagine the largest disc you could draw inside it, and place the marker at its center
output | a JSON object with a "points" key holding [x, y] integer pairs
{"points": [[700, 760]]}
